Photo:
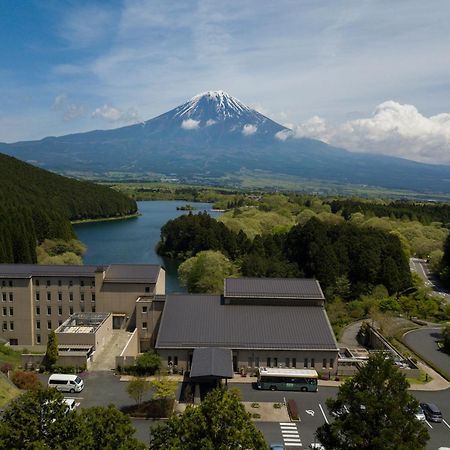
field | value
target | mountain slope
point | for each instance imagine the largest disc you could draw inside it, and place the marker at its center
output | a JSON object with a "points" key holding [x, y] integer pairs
{"points": [[213, 135], [37, 205]]}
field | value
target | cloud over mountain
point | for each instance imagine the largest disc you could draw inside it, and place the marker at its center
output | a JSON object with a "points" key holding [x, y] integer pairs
{"points": [[115, 115], [393, 129]]}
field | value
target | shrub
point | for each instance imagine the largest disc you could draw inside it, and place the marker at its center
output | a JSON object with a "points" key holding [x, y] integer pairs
{"points": [[293, 409], [277, 405], [256, 416], [155, 409], [26, 380], [255, 405], [6, 367]]}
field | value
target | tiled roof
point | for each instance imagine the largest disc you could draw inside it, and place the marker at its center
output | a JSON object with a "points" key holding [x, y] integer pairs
{"points": [[132, 273], [37, 270], [212, 362], [190, 321], [296, 288]]}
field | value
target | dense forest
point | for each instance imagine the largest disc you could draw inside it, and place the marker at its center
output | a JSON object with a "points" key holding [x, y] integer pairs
{"points": [[36, 205], [362, 257]]}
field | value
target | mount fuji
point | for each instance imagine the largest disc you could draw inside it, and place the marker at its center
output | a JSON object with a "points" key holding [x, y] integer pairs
{"points": [[214, 135]]}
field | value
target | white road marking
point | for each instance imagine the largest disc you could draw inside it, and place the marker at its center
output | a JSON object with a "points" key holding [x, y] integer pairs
{"points": [[309, 411], [323, 413], [288, 423], [446, 423], [429, 424]]}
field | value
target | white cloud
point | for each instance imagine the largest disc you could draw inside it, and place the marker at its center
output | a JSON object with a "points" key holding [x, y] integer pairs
{"points": [[70, 111], [111, 114], [190, 124], [210, 122], [59, 102], [249, 129], [393, 129]]}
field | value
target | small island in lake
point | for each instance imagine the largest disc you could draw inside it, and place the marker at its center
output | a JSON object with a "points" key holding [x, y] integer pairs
{"points": [[186, 207]]}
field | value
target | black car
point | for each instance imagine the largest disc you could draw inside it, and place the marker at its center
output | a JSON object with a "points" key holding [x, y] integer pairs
{"points": [[432, 412]]}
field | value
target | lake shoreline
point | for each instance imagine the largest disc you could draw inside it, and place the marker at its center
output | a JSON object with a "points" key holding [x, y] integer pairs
{"points": [[106, 219]]}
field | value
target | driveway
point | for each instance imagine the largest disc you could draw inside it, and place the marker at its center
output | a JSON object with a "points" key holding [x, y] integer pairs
{"points": [[423, 342]]}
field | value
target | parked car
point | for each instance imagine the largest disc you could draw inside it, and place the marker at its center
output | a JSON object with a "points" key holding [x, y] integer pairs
{"points": [[420, 414], [276, 447], [432, 412]]}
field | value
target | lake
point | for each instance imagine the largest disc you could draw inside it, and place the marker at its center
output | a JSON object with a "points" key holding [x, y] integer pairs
{"points": [[133, 241]]}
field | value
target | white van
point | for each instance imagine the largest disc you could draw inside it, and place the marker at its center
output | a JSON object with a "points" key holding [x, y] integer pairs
{"points": [[66, 383]]}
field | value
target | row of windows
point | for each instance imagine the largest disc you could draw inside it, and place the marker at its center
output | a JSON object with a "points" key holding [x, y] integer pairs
{"points": [[273, 362], [5, 296], [7, 283], [60, 310], [171, 362], [60, 296], [49, 324], [49, 283], [5, 311], [5, 326]]}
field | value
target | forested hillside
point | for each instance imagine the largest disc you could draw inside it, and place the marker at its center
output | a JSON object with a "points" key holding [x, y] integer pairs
{"points": [[36, 204]]}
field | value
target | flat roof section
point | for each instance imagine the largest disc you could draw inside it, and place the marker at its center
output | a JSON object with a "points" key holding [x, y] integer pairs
{"points": [[83, 323], [132, 273], [37, 270], [295, 288], [191, 321]]}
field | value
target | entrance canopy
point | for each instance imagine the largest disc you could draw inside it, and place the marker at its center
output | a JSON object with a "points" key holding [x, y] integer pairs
{"points": [[212, 362]]}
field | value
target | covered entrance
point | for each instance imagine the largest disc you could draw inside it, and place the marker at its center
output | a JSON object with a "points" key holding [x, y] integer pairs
{"points": [[118, 321]]}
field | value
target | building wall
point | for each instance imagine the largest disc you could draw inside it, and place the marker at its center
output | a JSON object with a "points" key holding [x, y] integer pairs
{"points": [[160, 288], [16, 312], [148, 315], [249, 360]]}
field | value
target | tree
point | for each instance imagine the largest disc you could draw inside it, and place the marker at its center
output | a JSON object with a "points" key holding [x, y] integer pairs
{"points": [[148, 363], [38, 419], [26, 380], [51, 355], [219, 423], [374, 411], [137, 388], [164, 388], [205, 272], [446, 339]]}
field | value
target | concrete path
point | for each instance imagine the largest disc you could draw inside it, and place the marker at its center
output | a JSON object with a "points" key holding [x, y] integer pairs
{"points": [[105, 359], [348, 336]]}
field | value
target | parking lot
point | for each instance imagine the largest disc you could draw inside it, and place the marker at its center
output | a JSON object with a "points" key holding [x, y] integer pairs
{"points": [[104, 388]]}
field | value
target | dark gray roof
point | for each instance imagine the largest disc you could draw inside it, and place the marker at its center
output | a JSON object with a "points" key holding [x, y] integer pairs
{"points": [[190, 321], [132, 273], [212, 362], [302, 288], [36, 270]]}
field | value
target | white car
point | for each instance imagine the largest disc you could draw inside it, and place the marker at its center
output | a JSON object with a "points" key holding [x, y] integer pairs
{"points": [[420, 414]]}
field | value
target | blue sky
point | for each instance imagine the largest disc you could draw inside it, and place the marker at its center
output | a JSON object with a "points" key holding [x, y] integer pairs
{"points": [[327, 68]]}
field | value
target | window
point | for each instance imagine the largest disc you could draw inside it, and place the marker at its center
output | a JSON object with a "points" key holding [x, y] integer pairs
{"points": [[70, 283], [10, 283], [49, 296], [288, 362], [144, 325], [38, 296], [59, 323], [60, 311], [313, 363], [324, 363], [38, 324], [5, 312], [49, 324], [82, 283], [36, 282], [48, 283], [269, 362], [305, 362], [11, 311], [11, 326], [11, 296], [169, 360], [70, 296], [14, 341], [38, 310], [294, 362], [49, 310], [82, 307], [93, 308], [144, 309], [93, 297], [71, 310], [82, 297], [59, 283], [93, 283], [147, 288], [38, 339], [4, 296], [275, 362], [175, 360], [331, 362], [3, 283], [60, 296], [257, 361], [5, 326]]}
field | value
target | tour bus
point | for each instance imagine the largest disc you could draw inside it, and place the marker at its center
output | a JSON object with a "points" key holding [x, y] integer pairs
{"points": [[284, 379], [66, 383]]}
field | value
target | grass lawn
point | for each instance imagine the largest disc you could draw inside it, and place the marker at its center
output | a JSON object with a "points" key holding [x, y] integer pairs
{"points": [[10, 356], [423, 379], [7, 391]]}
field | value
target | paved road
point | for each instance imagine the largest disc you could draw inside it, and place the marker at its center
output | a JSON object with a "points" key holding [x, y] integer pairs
{"points": [[423, 342], [103, 388], [420, 266]]}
